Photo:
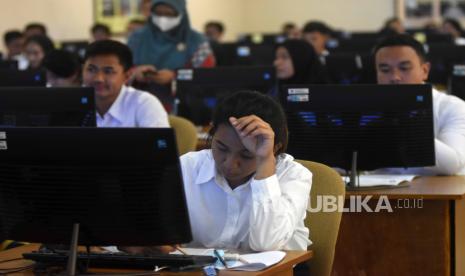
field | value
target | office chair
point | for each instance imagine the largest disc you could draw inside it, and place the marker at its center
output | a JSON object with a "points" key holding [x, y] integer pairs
{"points": [[186, 133], [324, 226]]}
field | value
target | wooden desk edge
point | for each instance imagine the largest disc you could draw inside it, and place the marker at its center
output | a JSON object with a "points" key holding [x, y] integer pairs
{"points": [[292, 258]]}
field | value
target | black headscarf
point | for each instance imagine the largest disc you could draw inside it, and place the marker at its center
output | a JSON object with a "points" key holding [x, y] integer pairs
{"points": [[307, 66]]}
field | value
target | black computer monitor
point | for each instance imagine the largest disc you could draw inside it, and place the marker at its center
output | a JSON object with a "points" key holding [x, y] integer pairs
{"points": [[123, 186], [41, 106], [344, 68], [77, 47], [9, 64], [443, 57], [13, 77], [198, 90], [242, 54], [456, 84], [387, 125]]}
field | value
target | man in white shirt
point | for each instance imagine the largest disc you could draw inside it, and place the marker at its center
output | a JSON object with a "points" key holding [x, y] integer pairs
{"points": [[107, 65], [400, 59]]}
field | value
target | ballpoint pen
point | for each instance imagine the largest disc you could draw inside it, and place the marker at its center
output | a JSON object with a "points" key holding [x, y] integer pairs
{"points": [[220, 258]]}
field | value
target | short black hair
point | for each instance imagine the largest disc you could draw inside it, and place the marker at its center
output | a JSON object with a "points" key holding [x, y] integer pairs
{"points": [[36, 25], [43, 41], [455, 23], [62, 63], [244, 103], [9, 36], [110, 47], [317, 26], [402, 40], [215, 24], [101, 27]]}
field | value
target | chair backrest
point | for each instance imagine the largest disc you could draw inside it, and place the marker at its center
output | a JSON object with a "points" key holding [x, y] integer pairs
{"points": [[324, 226], [186, 133]]}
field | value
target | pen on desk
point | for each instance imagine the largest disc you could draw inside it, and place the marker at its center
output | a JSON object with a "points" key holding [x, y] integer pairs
{"points": [[223, 262], [181, 250]]}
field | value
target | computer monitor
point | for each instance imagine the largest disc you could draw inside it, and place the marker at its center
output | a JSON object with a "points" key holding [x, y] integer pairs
{"points": [[13, 77], [241, 54], [456, 85], [77, 47], [42, 106], [9, 64], [198, 90], [122, 185], [443, 57], [387, 125], [344, 68]]}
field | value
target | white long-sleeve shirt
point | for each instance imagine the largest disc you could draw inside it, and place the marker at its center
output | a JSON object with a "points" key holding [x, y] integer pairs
{"points": [[134, 108], [259, 215], [449, 138]]}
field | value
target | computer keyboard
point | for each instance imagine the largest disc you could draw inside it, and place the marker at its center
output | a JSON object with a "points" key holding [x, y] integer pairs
{"points": [[121, 260]]}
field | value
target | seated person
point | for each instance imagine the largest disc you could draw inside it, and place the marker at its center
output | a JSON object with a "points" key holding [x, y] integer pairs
{"points": [[245, 192], [392, 26], [290, 31], [107, 66], [214, 31], [297, 63], [36, 48], [34, 28], [317, 34], [400, 59], [14, 44], [62, 68], [100, 32]]}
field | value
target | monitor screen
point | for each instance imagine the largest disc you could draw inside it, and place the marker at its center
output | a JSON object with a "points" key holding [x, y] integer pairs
{"points": [[387, 125], [198, 90], [42, 106], [122, 185], [9, 64], [443, 57], [76, 47], [12, 77], [242, 54]]}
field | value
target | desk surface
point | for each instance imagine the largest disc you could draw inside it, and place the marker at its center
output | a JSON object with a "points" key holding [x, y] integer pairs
{"points": [[427, 187], [282, 268]]}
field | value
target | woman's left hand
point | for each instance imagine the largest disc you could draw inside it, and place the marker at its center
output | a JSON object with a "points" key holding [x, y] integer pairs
{"points": [[257, 136]]}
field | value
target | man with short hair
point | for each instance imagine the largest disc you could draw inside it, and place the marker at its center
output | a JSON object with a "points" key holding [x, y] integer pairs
{"points": [[317, 34], [107, 67], [214, 31], [14, 44], [400, 59]]}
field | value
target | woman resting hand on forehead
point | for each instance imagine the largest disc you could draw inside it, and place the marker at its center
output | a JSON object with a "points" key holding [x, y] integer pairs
{"points": [[245, 193]]}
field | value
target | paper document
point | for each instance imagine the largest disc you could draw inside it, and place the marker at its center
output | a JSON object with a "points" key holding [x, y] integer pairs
{"points": [[255, 261], [370, 180]]}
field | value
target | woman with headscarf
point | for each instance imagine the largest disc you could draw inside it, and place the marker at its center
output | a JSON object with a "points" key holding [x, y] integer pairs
{"points": [[297, 63], [36, 48], [167, 43]]}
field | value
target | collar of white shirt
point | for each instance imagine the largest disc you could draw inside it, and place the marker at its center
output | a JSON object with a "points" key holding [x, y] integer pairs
{"points": [[207, 169], [116, 109]]}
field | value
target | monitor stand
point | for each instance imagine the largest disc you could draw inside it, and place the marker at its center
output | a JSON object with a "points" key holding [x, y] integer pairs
{"points": [[353, 182], [73, 250]]}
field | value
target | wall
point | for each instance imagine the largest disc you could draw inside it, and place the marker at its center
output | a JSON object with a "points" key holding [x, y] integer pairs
{"points": [[71, 19], [351, 15]]}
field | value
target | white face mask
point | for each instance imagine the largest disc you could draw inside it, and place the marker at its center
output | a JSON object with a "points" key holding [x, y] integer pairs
{"points": [[166, 23]]}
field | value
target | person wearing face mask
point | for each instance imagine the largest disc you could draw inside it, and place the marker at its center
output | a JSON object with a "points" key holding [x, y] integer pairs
{"points": [[164, 44]]}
